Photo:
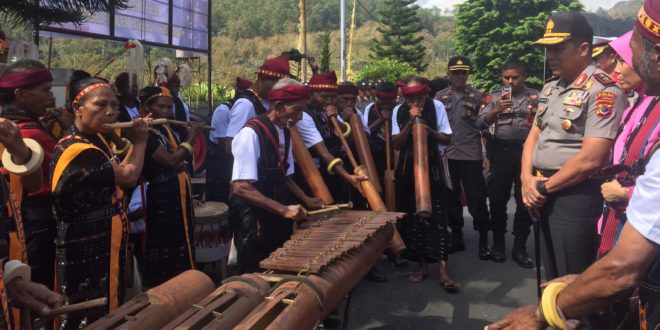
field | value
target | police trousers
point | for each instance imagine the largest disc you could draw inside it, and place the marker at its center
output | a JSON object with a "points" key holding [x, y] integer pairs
{"points": [[469, 174], [568, 229], [505, 172]]}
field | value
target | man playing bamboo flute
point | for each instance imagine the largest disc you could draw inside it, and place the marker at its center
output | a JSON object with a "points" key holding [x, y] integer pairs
{"points": [[425, 236], [262, 191]]}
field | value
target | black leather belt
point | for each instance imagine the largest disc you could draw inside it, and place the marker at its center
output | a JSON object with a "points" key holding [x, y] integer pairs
{"points": [[544, 173]]}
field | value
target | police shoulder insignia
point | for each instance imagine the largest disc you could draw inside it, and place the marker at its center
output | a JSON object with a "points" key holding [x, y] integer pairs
{"points": [[605, 104], [588, 84], [604, 79], [580, 80]]}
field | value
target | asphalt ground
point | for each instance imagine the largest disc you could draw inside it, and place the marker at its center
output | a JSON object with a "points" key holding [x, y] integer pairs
{"points": [[487, 291]]}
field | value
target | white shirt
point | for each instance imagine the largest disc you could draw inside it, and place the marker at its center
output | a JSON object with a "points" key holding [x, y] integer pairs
{"points": [[135, 204], [240, 113], [245, 148], [442, 125], [308, 132], [642, 212], [134, 112], [219, 121], [363, 118]]}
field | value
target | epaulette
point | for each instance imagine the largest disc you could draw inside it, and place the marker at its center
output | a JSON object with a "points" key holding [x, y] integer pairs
{"points": [[604, 78], [551, 79]]}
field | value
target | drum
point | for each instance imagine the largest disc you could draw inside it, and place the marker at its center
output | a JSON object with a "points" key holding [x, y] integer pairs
{"points": [[212, 235]]}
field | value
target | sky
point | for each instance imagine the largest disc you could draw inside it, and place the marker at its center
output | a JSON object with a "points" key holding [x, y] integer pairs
{"points": [[591, 5]]}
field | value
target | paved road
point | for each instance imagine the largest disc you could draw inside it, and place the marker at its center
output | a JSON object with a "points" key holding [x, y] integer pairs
{"points": [[488, 291]]}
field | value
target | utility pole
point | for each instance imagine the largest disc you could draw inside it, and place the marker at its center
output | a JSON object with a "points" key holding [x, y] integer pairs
{"points": [[342, 33], [303, 39]]}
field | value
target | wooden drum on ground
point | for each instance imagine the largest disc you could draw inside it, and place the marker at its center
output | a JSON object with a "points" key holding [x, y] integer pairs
{"points": [[212, 235]]}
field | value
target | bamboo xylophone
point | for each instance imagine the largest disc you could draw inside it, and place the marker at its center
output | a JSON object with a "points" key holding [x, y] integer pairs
{"points": [[303, 283]]}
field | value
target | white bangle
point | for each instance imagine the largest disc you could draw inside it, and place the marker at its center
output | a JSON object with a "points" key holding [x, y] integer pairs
{"points": [[15, 269], [32, 165]]}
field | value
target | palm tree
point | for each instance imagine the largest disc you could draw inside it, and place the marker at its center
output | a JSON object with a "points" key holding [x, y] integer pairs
{"points": [[45, 12]]}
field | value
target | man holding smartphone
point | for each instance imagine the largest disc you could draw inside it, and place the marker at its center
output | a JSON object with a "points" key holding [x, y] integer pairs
{"points": [[511, 110]]}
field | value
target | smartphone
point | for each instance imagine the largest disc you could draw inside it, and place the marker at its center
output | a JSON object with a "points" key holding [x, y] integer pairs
{"points": [[506, 90]]}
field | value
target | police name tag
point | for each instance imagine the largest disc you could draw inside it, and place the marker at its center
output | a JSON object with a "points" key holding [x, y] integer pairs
{"points": [[575, 98]]}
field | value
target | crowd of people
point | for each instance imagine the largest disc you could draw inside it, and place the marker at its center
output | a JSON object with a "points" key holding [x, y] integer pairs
{"points": [[92, 211]]}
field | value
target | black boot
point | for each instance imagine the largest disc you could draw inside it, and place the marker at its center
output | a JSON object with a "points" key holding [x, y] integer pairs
{"points": [[375, 275], [498, 253], [519, 253], [484, 249], [456, 244]]}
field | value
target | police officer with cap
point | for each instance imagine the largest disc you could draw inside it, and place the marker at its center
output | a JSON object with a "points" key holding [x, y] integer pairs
{"points": [[462, 103], [511, 111], [604, 55], [576, 123]]}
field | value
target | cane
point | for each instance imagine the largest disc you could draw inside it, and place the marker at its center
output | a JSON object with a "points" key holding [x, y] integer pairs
{"points": [[537, 253]]}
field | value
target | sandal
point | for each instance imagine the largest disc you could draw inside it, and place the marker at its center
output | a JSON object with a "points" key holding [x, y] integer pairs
{"points": [[417, 277], [448, 285]]}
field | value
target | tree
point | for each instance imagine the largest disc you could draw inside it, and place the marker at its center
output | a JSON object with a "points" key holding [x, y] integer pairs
{"points": [[399, 30], [323, 42], [386, 69], [490, 32], [56, 11]]}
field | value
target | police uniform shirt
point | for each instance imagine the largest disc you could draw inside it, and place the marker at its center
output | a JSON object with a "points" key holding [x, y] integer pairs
{"points": [[591, 106], [441, 126], [514, 123], [246, 151], [462, 110], [219, 121], [642, 212], [240, 113]]}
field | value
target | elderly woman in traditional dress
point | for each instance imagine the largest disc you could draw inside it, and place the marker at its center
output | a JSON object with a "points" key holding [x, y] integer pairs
{"points": [[85, 180]]}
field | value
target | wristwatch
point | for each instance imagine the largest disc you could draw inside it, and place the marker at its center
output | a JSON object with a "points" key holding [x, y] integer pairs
{"points": [[540, 187]]}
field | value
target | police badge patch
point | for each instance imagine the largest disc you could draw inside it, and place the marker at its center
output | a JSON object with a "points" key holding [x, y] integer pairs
{"points": [[605, 104]]}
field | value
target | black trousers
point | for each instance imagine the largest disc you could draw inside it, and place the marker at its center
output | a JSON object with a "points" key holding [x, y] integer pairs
{"points": [[568, 229], [469, 174], [218, 173], [505, 172], [40, 233]]}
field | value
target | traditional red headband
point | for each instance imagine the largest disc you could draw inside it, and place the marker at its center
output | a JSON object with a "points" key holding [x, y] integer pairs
{"points": [[25, 79], [386, 96], [289, 93], [415, 90]]}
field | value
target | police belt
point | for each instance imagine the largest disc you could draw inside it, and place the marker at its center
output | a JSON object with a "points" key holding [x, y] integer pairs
{"points": [[510, 143], [544, 173]]}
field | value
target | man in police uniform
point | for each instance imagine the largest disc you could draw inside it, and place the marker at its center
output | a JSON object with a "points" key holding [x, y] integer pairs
{"points": [[465, 156], [604, 55], [511, 111], [577, 120]]}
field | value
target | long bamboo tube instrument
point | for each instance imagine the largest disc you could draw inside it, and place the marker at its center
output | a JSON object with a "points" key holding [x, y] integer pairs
{"points": [[308, 168], [390, 187], [160, 121], [370, 192], [364, 150], [421, 168], [396, 244]]}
